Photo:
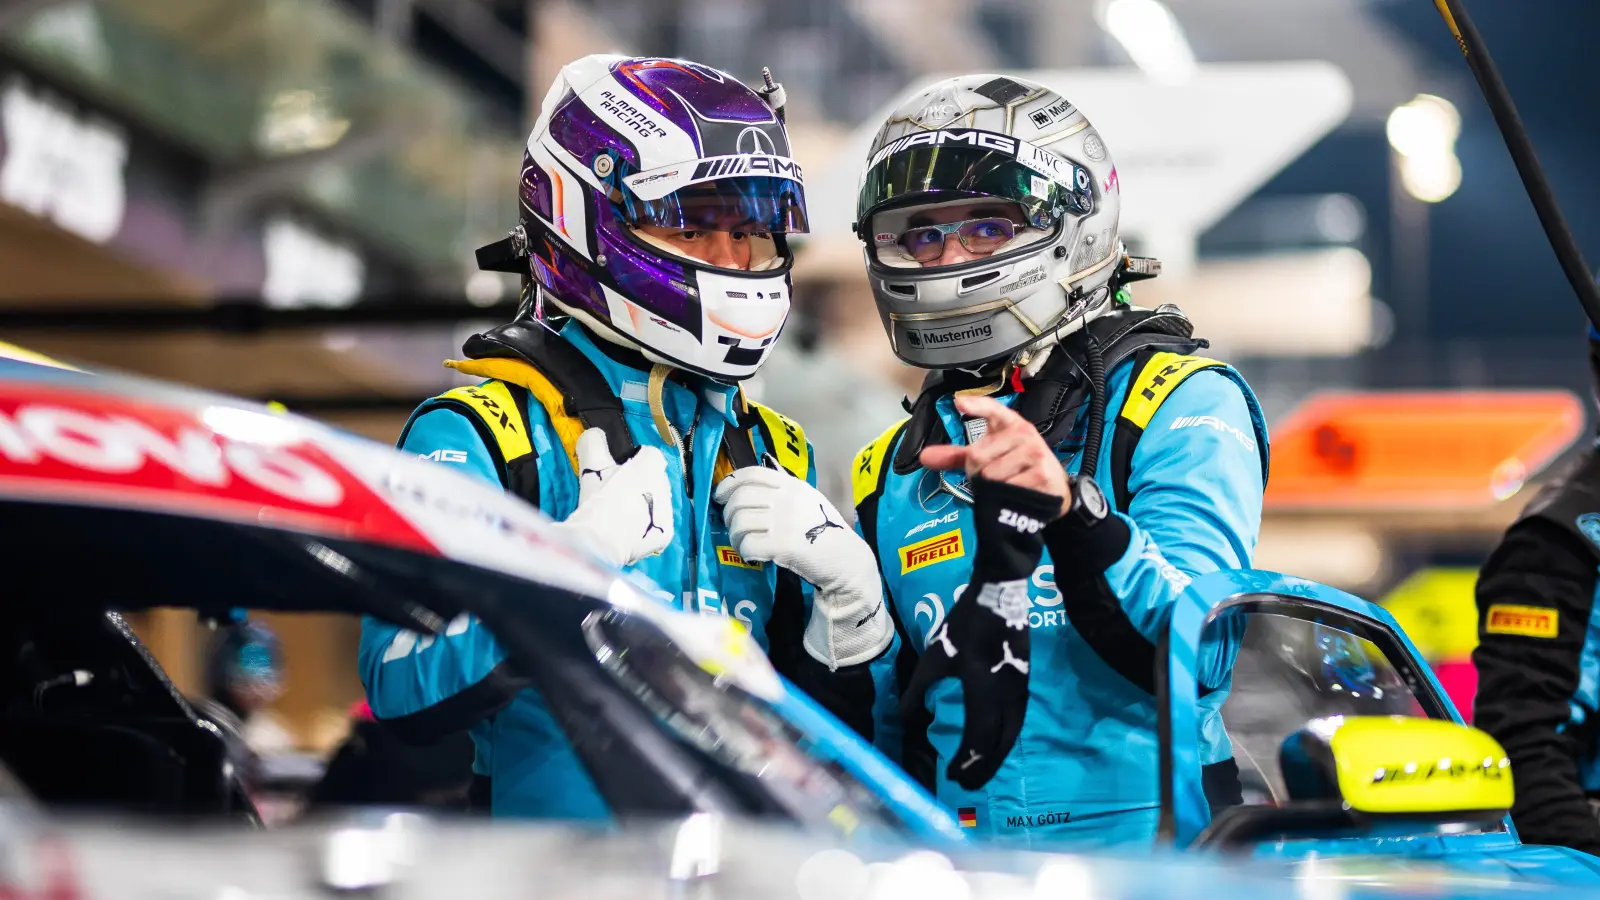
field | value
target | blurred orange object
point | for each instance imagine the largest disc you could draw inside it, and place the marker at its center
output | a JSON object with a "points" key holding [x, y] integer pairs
{"points": [[1417, 449]]}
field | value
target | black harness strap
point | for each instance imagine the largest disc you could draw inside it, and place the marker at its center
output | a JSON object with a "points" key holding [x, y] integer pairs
{"points": [[1126, 440], [584, 390], [1053, 397]]}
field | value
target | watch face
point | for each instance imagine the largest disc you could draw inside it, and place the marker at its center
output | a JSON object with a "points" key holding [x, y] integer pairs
{"points": [[1094, 502]]}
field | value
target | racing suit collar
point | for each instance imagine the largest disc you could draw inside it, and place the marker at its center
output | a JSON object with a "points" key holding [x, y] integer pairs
{"points": [[628, 372], [954, 424]]}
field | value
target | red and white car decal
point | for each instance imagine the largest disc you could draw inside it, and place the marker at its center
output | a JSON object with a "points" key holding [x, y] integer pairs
{"points": [[211, 459]]}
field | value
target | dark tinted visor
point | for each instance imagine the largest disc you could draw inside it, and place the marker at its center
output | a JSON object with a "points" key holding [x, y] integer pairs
{"points": [[756, 204], [977, 171]]}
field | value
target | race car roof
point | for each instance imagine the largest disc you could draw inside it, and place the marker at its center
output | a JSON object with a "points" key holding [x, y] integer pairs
{"points": [[102, 467]]}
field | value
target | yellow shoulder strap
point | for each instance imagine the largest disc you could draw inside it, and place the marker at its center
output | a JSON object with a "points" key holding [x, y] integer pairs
{"points": [[788, 440], [1156, 381], [866, 473], [493, 403]]}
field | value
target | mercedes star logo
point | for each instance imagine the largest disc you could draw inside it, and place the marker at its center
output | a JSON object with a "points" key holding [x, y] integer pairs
{"points": [[754, 140]]}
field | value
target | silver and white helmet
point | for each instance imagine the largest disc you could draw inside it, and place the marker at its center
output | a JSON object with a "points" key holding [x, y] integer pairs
{"points": [[1043, 249]]}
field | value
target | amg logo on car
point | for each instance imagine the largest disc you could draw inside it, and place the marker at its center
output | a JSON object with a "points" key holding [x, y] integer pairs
{"points": [[949, 337], [925, 553], [1411, 773], [972, 137]]}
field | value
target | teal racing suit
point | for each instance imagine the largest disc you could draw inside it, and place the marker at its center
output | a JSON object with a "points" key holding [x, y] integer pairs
{"points": [[461, 679], [1084, 768]]}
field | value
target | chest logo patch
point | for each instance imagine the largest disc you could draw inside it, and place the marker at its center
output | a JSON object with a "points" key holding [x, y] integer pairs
{"points": [[1523, 621], [730, 557], [926, 552]]}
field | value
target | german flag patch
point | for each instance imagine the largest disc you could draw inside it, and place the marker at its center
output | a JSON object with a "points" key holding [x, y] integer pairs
{"points": [[1522, 621], [967, 816]]}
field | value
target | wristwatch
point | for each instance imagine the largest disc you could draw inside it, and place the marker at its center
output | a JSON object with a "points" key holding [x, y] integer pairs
{"points": [[1089, 507]]}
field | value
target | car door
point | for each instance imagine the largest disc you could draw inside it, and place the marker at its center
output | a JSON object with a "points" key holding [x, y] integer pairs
{"points": [[1249, 659]]}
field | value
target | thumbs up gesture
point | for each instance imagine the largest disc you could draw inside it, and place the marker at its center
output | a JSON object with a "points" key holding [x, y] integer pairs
{"points": [[624, 509]]}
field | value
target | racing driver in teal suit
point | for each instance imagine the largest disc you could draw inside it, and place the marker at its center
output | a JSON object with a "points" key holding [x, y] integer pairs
{"points": [[656, 197], [989, 210]]}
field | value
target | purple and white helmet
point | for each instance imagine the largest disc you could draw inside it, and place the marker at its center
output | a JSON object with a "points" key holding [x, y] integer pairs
{"points": [[623, 143]]}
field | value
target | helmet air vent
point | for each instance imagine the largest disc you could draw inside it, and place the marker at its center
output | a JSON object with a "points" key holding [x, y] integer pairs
{"points": [[973, 282]]}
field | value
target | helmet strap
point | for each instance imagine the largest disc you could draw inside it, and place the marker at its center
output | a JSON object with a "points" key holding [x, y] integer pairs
{"points": [[658, 406]]}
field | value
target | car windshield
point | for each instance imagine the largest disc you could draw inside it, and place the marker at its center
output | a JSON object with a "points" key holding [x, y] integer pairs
{"points": [[710, 701], [758, 754], [1290, 670]]}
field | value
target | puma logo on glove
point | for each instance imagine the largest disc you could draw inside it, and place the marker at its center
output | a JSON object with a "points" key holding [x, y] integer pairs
{"points": [[650, 510], [984, 641], [769, 512], [616, 515], [816, 531]]}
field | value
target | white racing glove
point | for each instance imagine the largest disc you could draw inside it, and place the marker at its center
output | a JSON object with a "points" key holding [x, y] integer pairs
{"points": [[624, 511], [775, 517]]}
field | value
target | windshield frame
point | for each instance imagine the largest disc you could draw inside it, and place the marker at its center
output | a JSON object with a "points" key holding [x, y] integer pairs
{"points": [[695, 728], [1215, 596]]}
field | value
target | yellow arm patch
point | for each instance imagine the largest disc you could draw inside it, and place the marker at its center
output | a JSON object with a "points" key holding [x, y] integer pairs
{"points": [[866, 472], [1522, 621], [515, 371], [1156, 381], [788, 440], [492, 403]]}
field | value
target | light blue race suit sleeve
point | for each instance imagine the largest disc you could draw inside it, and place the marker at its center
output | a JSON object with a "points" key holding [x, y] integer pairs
{"points": [[431, 685], [1196, 483]]}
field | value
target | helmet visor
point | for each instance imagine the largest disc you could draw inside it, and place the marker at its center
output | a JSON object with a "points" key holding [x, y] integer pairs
{"points": [[748, 204], [735, 224], [975, 164]]}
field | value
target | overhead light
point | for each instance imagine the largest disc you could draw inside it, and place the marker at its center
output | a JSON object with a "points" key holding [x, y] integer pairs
{"points": [[1151, 36], [1424, 125], [1431, 178], [1423, 132]]}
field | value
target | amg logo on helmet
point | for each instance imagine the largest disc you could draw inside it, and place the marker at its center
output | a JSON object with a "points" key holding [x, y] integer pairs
{"points": [[972, 137], [747, 164], [949, 337]]}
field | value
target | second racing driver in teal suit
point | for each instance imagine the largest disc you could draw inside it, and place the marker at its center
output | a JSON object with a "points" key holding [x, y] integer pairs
{"points": [[656, 198], [989, 210]]}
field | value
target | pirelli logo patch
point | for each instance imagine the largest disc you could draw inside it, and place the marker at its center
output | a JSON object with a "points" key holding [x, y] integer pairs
{"points": [[938, 548], [730, 557], [1523, 621]]}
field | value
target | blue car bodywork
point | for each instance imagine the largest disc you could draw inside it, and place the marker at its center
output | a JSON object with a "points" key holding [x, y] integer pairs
{"points": [[1497, 855]]}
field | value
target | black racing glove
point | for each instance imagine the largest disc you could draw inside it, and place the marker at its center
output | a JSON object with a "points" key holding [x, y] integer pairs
{"points": [[984, 639]]}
